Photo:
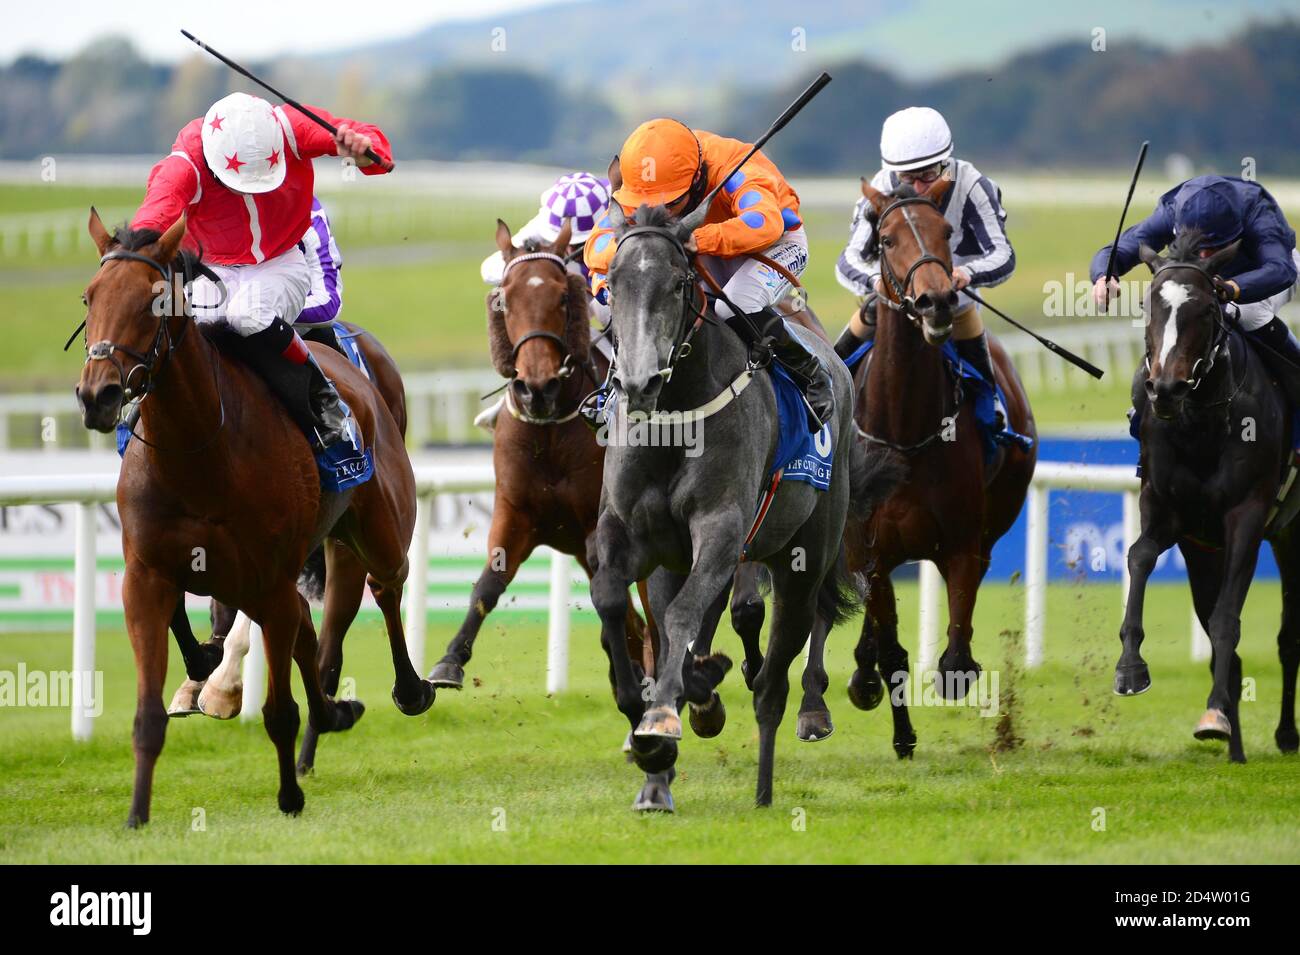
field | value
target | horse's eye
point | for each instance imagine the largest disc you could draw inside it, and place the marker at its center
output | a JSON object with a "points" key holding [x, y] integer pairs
{"points": [[886, 241]]}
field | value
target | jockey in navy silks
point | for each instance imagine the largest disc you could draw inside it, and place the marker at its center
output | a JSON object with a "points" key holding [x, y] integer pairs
{"points": [[1254, 286]]}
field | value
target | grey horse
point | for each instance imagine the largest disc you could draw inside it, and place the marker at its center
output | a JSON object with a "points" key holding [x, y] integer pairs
{"points": [[690, 442]]}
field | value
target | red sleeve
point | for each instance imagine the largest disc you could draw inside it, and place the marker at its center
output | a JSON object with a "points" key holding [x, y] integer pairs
{"points": [[173, 185], [314, 140]]}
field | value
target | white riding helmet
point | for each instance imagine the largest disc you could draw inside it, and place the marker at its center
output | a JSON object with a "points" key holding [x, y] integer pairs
{"points": [[914, 138], [243, 143]]}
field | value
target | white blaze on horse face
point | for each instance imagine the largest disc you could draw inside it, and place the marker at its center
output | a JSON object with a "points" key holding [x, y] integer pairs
{"points": [[1173, 294], [535, 281]]}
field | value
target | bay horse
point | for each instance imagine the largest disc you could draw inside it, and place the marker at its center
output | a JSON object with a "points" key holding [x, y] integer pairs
{"points": [[222, 470], [546, 460], [1214, 445], [955, 504], [214, 684], [680, 510]]}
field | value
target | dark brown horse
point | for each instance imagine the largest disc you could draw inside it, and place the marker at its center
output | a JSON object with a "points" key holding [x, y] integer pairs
{"points": [[955, 505], [547, 461], [222, 470], [334, 567]]}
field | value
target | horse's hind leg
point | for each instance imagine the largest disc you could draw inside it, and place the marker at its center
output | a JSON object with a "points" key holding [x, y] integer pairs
{"points": [[1288, 640], [747, 613], [793, 615], [881, 617], [345, 585], [411, 694], [324, 715], [814, 715], [149, 601], [222, 696]]}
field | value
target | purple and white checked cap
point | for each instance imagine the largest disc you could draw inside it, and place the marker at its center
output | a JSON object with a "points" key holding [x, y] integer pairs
{"points": [[579, 196]]}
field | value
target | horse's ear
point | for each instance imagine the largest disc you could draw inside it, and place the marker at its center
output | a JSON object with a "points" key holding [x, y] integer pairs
{"points": [[1150, 256], [939, 190], [695, 218], [504, 242], [617, 217], [561, 244], [1222, 257], [98, 233], [614, 174], [170, 241], [877, 199]]}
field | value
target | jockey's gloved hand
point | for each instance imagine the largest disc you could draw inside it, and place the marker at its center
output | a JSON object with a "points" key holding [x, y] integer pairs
{"points": [[1226, 289]]}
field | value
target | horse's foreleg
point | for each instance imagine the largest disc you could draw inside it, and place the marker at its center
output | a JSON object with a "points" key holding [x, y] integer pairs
{"points": [[149, 602], [814, 715], [705, 670], [1131, 673], [958, 670], [1288, 641], [1245, 530], [510, 541], [200, 661], [281, 623], [793, 616], [609, 551], [865, 688], [345, 585], [223, 693]]}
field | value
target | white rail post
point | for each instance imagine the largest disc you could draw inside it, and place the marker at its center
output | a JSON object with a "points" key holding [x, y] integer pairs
{"points": [[1201, 649], [254, 675], [83, 623], [1036, 529], [417, 582], [1132, 528], [557, 629], [928, 628]]}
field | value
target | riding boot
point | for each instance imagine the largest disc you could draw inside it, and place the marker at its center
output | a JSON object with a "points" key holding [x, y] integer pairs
{"points": [[805, 368], [326, 334], [284, 362], [849, 342], [975, 352], [1281, 353]]}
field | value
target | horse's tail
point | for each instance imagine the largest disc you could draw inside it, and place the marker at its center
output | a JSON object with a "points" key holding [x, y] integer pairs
{"points": [[311, 580], [873, 475], [840, 597]]}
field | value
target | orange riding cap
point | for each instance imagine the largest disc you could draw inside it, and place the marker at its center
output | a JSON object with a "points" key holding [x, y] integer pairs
{"points": [[658, 164]]}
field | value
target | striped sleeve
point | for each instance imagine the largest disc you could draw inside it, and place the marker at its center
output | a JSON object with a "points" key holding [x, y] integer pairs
{"points": [[984, 217], [854, 270], [325, 298]]}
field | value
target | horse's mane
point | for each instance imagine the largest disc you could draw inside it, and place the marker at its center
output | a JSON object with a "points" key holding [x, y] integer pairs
{"points": [[654, 216], [903, 191], [136, 240], [1185, 247]]}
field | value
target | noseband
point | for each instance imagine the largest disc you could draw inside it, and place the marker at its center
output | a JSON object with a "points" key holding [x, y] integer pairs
{"points": [[566, 364], [901, 298], [1218, 341]]}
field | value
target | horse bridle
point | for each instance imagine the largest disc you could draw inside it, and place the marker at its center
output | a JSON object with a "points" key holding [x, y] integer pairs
{"points": [[901, 299], [1202, 367], [156, 360], [687, 289]]}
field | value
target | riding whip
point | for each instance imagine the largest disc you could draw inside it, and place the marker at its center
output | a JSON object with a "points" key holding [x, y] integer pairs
{"points": [[1047, 343], [370, 153], [1110, 262]]}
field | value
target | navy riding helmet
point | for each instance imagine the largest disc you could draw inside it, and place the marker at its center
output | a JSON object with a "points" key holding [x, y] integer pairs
{"points": [[1211, 204]]}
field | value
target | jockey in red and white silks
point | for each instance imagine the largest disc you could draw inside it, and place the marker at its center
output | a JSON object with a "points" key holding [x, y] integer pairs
{"points": [[243, 177]]}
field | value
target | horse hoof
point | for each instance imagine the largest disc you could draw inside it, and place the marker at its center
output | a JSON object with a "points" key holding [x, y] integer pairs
{"points": [[448, 674], [292, 800], [654, 797], [347, 713], [185, 702], [955, 683], [904, 748], [660, 721], [659, 758], [1213, 725], [714, 667], [708, 720], [814, 726], [866, 689], [421, 703], [221, 704], [1132, 679], [1288, 741]]}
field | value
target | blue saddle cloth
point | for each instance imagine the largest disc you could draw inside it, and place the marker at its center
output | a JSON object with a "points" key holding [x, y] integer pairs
{"points": [[983, 390], [805, 456], [341, 466]]}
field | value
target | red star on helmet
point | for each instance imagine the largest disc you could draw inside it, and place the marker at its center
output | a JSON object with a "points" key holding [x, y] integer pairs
{"points": [[234, 162], [216, 122], [275, 158]]}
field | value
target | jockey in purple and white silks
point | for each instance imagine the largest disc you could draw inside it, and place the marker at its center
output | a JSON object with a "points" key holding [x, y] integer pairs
{"points": [[583, 199], [916, 150], [325, 295]]}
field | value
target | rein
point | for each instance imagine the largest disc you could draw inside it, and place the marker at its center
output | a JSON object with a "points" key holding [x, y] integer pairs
{"points": [[155, 362]]}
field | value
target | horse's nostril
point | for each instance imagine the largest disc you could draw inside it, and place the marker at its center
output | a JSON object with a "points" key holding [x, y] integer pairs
{"points": [[1150, 387], [952, 299], [924, 302], [521, 388], [551, 389]]}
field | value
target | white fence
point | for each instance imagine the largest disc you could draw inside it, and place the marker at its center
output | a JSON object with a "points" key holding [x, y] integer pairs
{"points": [[89, 489]]}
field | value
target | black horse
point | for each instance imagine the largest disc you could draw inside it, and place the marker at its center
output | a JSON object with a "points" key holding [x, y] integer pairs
{"points": [[1215, 438]]}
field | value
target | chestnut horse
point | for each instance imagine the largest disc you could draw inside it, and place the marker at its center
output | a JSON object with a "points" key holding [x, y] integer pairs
{"points": [[956, 504], [222, 470], [548, 463]]}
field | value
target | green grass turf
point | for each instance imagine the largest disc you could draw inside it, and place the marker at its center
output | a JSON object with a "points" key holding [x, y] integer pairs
{"points": [[430, 788]]}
